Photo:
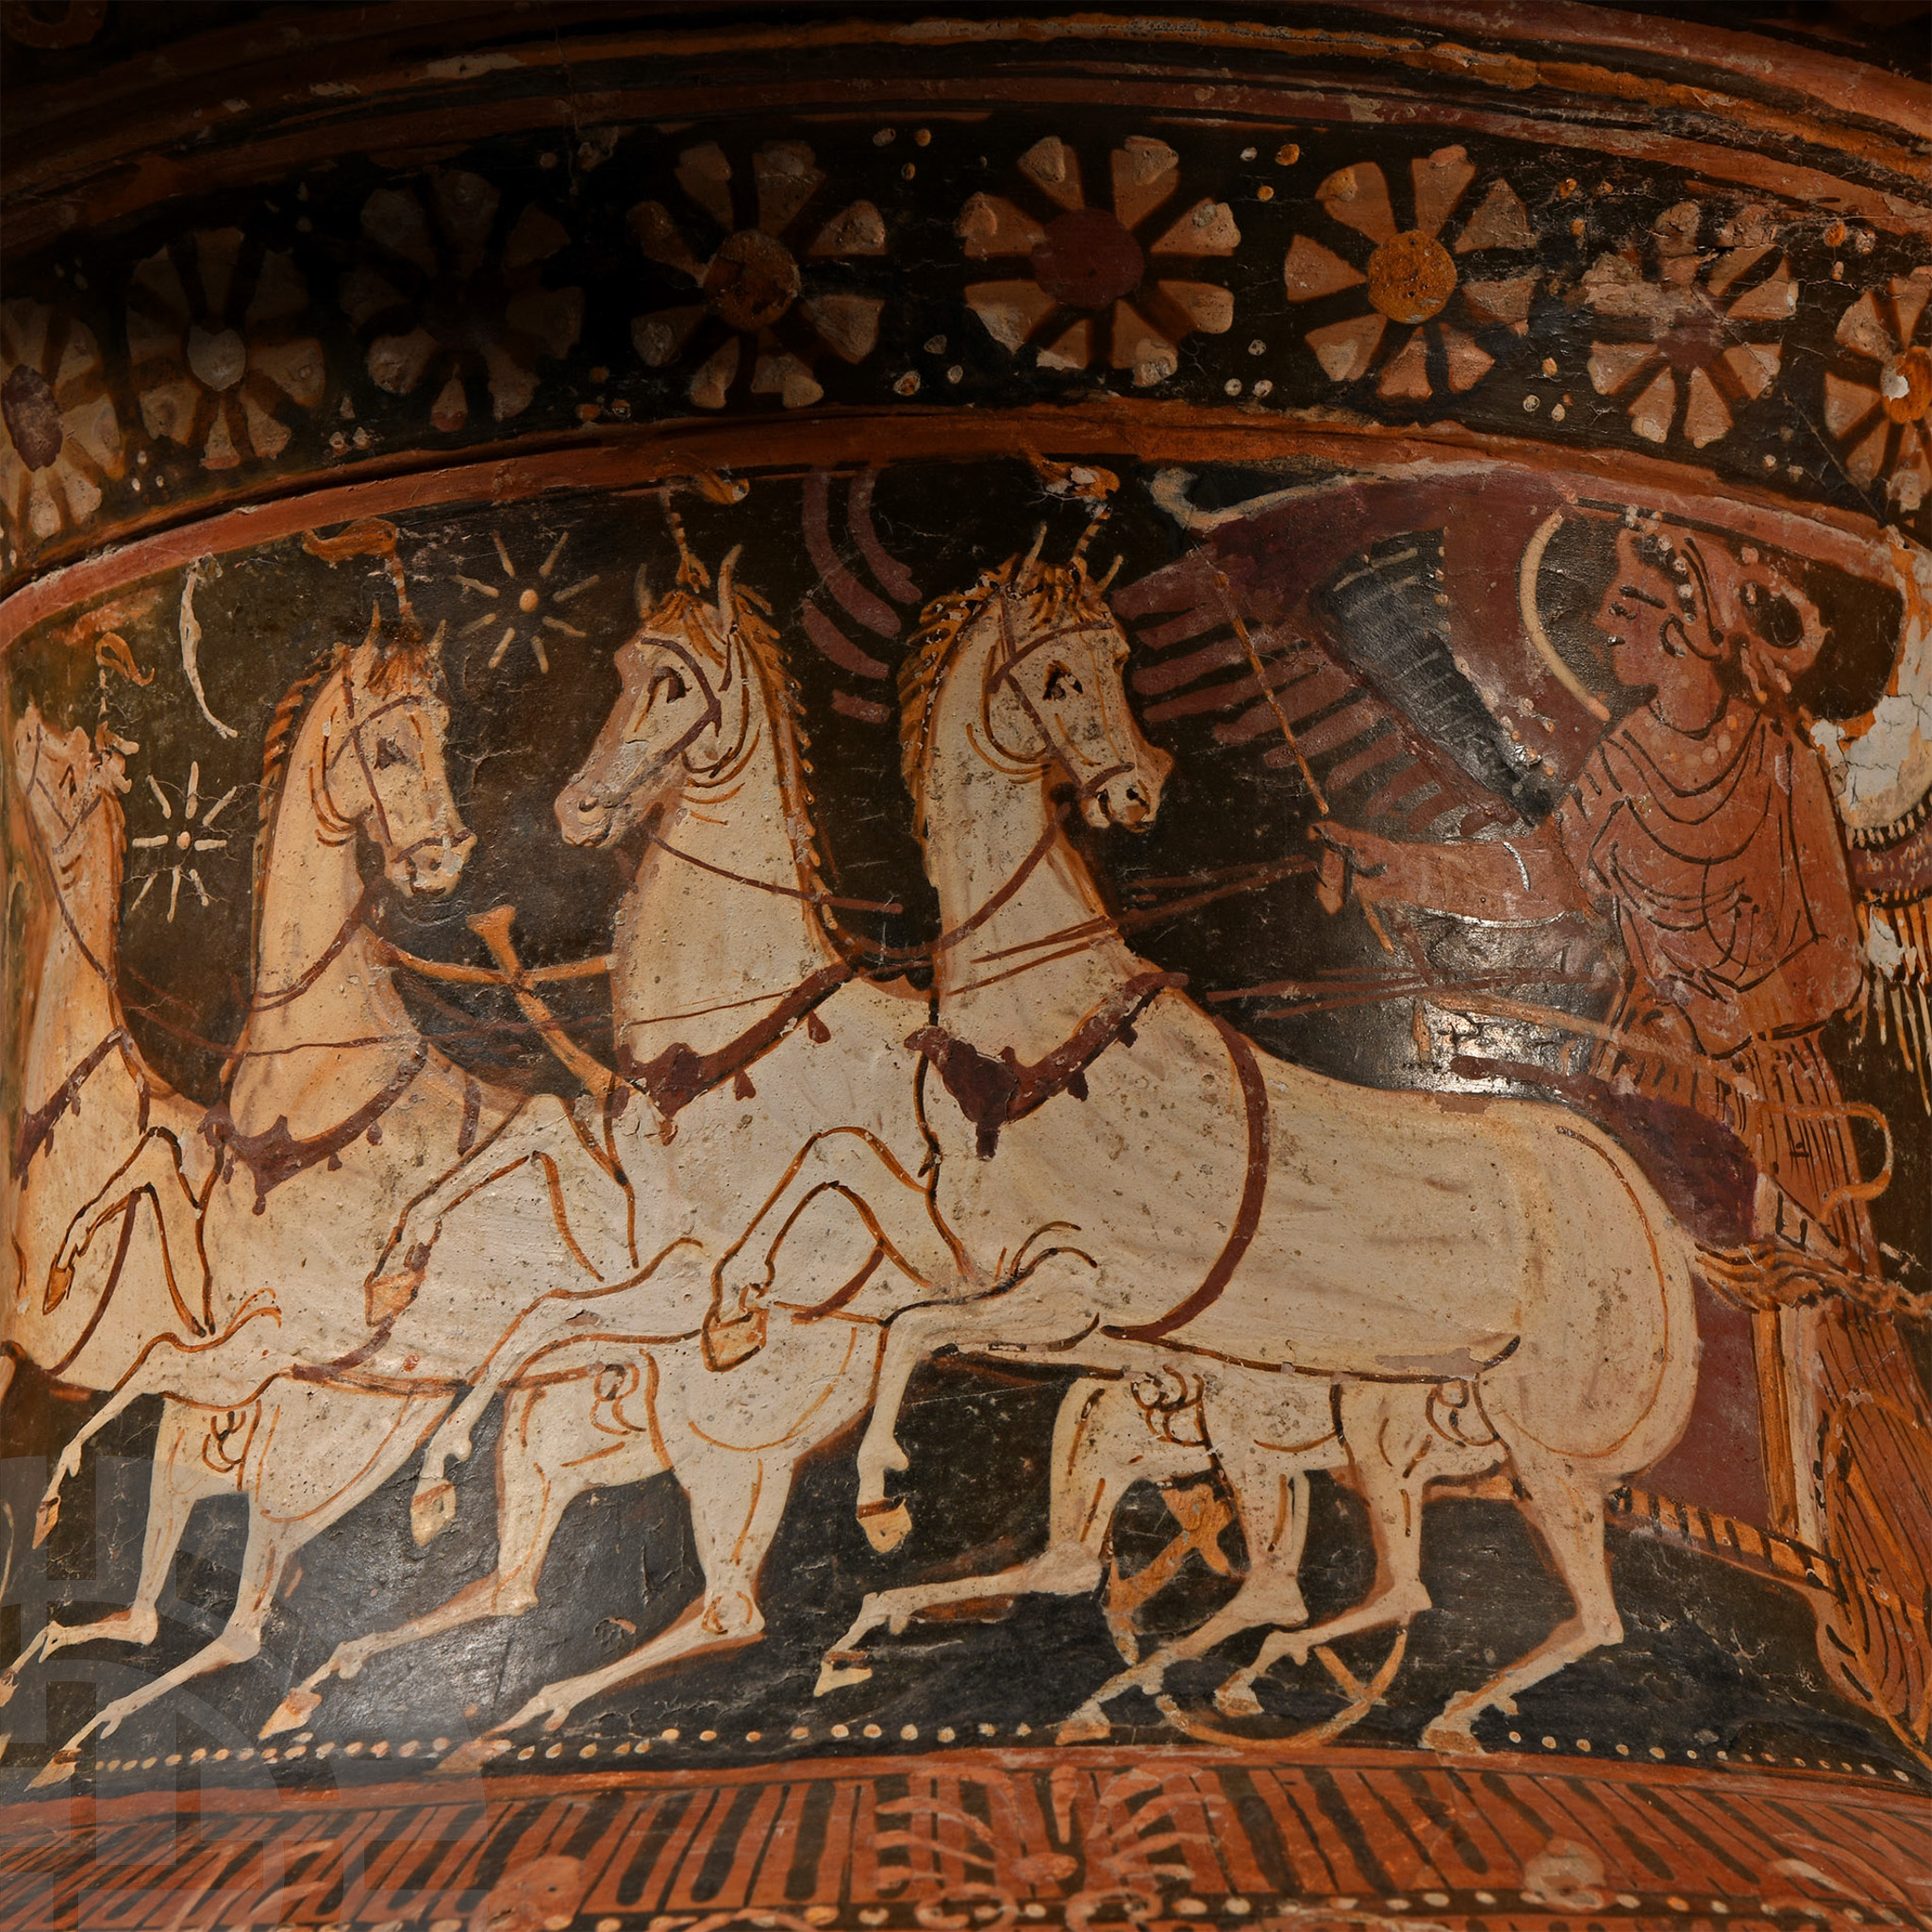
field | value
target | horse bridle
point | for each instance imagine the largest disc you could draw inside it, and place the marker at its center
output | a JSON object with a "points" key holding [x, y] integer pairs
{"points": [[337, 821], [726, 766], [409, 701], [1012, 654]]}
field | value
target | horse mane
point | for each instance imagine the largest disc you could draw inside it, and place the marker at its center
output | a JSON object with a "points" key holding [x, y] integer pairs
{"points": [[1052, 594], [690, 616], [396, 663]]}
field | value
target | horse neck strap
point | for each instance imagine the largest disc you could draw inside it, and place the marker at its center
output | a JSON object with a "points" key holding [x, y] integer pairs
{"points": [[276, 1155], [676, 1076], [37, 1128], [992, 1090]]}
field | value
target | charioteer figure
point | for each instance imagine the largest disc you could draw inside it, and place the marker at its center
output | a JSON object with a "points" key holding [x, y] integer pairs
{"points": [[1701, 831]]}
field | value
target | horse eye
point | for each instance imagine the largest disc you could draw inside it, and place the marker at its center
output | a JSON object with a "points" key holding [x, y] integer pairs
{"points": [[668, 684], [1059, 681], [388, 753]]}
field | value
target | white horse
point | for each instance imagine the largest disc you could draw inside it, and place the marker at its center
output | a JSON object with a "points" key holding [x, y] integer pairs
{"points": [[90, 1099], [758, 888], [1127, 1170], [703, 750], [334, 1100], [741, 1029], [93, 1103]]}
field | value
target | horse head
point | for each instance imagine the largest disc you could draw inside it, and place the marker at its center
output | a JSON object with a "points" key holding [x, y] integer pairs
{"points": [[682, 720], [1055, 699], [66, 779], [383, 763]]}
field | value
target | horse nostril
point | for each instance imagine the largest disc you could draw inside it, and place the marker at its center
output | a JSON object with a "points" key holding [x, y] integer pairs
{"points": [[588, 807]]}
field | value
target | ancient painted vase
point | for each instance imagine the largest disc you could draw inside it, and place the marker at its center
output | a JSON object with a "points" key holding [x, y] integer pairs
{"points": [[966, 970]]}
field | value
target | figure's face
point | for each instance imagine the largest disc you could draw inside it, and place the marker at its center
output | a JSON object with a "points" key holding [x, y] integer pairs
{"points": [[1063, 698], [1639, 603], [666, 723]]}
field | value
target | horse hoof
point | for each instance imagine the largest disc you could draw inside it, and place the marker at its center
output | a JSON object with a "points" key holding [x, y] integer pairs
{"points": [[730, 1343], [60, 1279], [57, 1770], [45, 1517], [292, 1713], [1454, 1736], [468, 1759], [8, 1685], [885, 1524], [1237, 1700], [835, 1675], [1084, 1727], [385, 1296], [432, 1511]]}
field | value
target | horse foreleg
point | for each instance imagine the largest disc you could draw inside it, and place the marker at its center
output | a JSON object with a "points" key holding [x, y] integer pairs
{"points": [[153, 1172], [227, 1372], [1016, 1319], [737, 1500], [1091, 1472], [179, 1479], [895, 1207], [547, 1458], [262, 1565], [1566, 1509], [587, 1187]]}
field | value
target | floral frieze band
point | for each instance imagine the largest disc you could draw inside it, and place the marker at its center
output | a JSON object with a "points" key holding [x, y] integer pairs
{"points": [[358, 312]]}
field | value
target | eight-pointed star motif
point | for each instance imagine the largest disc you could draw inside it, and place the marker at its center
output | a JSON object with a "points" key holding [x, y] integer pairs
{"points": [[181, 838], [1440, 290], [1694, 338], [770, 280], [1878, 396], [1089, 270], [524, 605], [214, 352]]}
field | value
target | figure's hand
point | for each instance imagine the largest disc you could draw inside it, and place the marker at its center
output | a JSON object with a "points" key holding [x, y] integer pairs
{"points": [[1352, 857]]}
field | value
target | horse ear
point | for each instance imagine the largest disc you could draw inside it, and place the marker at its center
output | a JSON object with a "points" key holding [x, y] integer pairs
{"points": [[641, 589], [727, 604], [1027, 571], [1113, 570], [435, 646]]}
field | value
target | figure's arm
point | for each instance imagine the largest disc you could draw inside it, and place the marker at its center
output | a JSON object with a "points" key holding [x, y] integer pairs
{"points": [[1522, 878]]}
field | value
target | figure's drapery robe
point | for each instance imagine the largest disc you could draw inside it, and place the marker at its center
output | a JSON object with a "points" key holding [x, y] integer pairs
{"points": [[1717, 855]]}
